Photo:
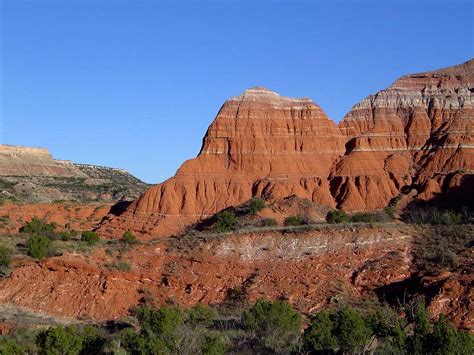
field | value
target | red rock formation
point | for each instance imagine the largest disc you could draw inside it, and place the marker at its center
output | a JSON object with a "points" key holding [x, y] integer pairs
{"points": [[417, 131], [260, 144], [414, 134]]}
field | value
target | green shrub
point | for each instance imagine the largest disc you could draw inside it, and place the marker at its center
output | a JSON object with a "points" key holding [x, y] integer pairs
{"points": [[142, 343], [434, 216], [213, 344], [90, 237], [276, 325], [226, 220], [38, 247], [351, 330], [255, 205], [201, 315], [67, 235], [293, 221], [320, 335], [122, 265], [60, 340], [128, 238], [164, 322], [390, 212], [388, 325], [337, 216], [269, 222], [6, 255], [38, 226], [12, 347]]}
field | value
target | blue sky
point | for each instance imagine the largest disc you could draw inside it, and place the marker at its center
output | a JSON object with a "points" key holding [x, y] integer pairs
{"points": [[135, 84]]}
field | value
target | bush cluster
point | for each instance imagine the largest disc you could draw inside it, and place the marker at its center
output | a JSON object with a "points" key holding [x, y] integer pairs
{"points": [[294, 221], [267, 327], [226, 221], [339, 216], [6, 255], [434, 216], [38, 247], [90, 237], [38, 227], [254, 205], [128, 238]]}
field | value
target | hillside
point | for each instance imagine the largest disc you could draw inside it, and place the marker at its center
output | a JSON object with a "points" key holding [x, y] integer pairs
{"points": [[31, 175]]}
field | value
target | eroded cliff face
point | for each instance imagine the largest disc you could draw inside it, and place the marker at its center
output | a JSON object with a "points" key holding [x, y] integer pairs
{"points": [[260, 144], [418, 134], [415, 133]]}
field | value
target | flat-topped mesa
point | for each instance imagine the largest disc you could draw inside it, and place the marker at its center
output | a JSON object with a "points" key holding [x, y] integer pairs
{"points": [[417, 130], [260, 144], [33, 161]]}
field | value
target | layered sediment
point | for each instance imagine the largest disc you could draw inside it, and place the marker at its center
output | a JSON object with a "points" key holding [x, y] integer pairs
{"points": [[417, 134]]}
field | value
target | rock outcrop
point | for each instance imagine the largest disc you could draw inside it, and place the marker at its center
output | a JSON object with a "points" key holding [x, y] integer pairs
{"points": [[418, 134], [260, 144]]}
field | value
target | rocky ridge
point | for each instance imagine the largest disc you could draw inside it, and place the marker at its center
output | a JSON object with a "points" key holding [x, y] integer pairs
{"points": [[31, 175], [417, 134]]}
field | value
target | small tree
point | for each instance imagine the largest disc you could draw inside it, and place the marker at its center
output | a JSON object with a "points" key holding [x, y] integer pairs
{"points": [[226, 220], [90, 237], [60, 340], [128, 238], [5, 256], [213, 344], [38, 247], [255, 205], [275, 324], [201, 315], [351, 330], [320, 335], [337, 216], [164, 323]]}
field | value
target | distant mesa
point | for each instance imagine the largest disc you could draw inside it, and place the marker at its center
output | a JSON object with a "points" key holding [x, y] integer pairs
{"points": [[30, 174]]}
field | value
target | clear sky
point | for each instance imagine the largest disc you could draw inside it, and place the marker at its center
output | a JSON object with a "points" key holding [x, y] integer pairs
{"points": [[135, 84]]}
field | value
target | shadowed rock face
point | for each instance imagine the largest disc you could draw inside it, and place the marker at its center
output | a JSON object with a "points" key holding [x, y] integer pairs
{"points": [[412, 134]]}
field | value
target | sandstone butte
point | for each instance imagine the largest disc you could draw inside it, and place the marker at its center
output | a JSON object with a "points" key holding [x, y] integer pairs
{"points": [[416, 134]]}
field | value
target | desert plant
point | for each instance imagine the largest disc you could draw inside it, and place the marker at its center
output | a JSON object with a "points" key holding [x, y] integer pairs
{"points": [[226, 220], [90, 237], [122, 265], [60, 340], [213, 344], [269, 222], [275, 324], [255, 205], [351, 330], [67, 235], [293, 221], [337, 216], [5, 256], [38, 247], [128, 238], [202, 315], [38, 226], [319, 336]]}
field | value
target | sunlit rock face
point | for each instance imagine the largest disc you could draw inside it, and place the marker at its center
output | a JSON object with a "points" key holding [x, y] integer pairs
{"points": [[417, 133], [260, 144]]}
